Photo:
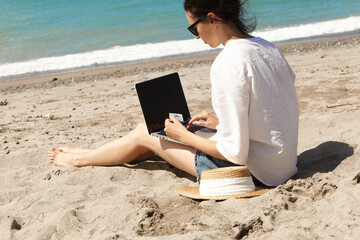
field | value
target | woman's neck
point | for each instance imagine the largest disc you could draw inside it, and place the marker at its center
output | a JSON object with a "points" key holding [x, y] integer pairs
{"points": [[231, 32]]}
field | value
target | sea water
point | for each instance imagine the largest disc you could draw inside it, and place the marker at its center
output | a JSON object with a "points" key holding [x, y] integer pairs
{"points": [[40, 36]]}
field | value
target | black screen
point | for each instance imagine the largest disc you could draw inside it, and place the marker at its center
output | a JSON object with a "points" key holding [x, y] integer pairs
{"points": [[160, 96]]}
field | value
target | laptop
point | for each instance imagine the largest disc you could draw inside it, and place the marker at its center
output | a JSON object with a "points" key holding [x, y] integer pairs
{"points": [[162, 96]]}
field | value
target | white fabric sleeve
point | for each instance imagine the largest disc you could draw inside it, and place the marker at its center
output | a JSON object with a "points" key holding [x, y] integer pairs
{"points": [[231, 99]]}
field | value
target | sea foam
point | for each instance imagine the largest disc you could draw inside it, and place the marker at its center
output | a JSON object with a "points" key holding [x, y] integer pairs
{"points": [[144, 52], [311, 30]]}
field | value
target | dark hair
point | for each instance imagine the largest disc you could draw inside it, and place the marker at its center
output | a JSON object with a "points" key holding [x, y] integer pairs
{"points": [[227, 10]]}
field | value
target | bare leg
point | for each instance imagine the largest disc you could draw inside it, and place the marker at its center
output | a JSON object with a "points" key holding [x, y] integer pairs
{"points": [[136, 143], [82, 150], [73, 150]]}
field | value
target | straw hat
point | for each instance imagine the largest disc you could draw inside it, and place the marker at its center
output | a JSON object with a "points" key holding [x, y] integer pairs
{"points": [[223, 183]]}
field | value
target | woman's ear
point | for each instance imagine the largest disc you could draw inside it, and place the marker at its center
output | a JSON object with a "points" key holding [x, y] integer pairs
{"points": [[212, 17]]}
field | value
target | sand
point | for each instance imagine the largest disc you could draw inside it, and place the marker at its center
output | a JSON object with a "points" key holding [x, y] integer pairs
{"points": [[138, 200]]}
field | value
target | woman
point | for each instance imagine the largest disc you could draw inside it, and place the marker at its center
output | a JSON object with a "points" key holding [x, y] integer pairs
{"points": [[253, 96]]}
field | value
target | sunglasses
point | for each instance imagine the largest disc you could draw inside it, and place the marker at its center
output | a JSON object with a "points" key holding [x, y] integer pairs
{"points": [[192, 28]]}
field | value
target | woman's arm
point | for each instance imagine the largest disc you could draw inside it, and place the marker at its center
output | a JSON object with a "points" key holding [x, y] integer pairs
{"points": [[209, 121], [175, 130]]}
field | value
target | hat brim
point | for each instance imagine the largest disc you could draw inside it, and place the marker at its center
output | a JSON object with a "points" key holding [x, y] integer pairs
{"points": [[193, 192]]}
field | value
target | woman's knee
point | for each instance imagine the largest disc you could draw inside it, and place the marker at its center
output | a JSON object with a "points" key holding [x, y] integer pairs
{"points": [[141, 137], [140, 132], [141, 128]]}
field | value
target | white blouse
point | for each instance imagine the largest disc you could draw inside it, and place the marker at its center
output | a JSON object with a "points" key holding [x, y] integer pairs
{"points": [[254, 97]]}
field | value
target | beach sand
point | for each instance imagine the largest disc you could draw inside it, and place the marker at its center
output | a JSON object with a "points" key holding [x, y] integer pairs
{"points": [[138, 200]]}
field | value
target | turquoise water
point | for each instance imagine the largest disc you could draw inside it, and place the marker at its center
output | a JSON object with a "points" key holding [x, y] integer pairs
{"points": [[34, 29], [37, 29], [281, 13]]}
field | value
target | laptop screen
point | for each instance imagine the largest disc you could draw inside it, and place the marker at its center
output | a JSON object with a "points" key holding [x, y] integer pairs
{"points": [[160, 96]]}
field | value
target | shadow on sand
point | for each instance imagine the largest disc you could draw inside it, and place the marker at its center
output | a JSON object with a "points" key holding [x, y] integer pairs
{"points": [[157, 163], [323, 158]]}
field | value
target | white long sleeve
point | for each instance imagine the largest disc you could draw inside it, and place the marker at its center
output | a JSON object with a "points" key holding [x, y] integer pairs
{"points": [[254, 97]]}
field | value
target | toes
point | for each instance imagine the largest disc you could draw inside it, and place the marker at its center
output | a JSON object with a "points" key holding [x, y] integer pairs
{"points": [[52, 151], [64, 149], [52, 155]]}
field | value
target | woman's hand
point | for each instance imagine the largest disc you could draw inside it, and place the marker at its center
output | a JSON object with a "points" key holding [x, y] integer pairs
{"points": [[207, 120], [174, 129]]}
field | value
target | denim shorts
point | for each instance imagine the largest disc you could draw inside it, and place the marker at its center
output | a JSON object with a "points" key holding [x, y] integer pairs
{"points": [[206, 162]]}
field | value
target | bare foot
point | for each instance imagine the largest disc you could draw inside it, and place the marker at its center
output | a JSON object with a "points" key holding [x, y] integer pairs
{"points": [[73, 150], [64, 159]]}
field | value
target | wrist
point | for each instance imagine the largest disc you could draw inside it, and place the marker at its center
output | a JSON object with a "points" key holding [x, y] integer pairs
{"points": [[187, 138]]}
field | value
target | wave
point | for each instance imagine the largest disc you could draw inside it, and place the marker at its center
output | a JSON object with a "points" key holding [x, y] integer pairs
{"points": [[116, 54], [144, 52], [349, 24]]}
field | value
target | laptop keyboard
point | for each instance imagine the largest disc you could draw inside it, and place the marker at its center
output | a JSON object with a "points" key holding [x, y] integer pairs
{"points": [[162, 132], [191, 129]]}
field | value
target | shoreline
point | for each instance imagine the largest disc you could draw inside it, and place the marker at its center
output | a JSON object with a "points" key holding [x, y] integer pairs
{"points": [[53, 80]]}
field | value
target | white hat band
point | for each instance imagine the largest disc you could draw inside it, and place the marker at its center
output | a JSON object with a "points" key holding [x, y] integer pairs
{"points": [[226, 186]]}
